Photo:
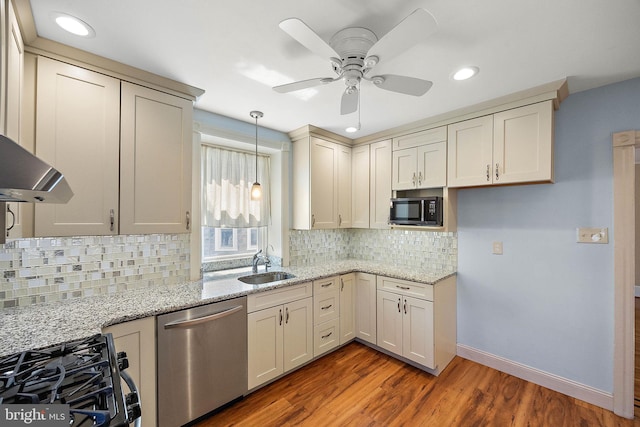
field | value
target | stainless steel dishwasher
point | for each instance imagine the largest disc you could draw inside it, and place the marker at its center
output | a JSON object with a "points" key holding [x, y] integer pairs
{"points": [[202, 360]]}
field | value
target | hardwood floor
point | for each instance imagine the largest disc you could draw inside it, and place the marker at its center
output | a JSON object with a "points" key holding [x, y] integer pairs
{"points": [[358, 386]]}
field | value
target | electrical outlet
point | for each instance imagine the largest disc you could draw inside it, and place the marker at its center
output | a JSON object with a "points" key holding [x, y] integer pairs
{"points": [[592, 235], [497, 248]]}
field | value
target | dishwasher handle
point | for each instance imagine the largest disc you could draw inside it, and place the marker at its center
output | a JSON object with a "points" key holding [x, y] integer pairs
{"points": [[203, 319]]}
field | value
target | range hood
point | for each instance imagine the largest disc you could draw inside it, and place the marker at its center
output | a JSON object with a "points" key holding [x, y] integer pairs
{"points": [[26, 178]]}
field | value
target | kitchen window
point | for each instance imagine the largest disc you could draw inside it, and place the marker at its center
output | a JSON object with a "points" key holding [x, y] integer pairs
{"points": [[233, 226]]}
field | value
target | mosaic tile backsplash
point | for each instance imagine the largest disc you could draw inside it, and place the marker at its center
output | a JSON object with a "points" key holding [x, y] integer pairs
{"points": [[34, 271], [414, 249]]}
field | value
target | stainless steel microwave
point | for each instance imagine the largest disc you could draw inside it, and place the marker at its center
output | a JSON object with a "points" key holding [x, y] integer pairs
{"points": [[416, 211]]}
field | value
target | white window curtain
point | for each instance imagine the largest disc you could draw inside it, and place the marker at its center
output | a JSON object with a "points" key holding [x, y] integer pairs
{"points": [[227, 177]]}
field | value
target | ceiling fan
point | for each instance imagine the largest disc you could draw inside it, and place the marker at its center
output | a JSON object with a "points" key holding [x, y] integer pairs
{"points": [[353, 53]]}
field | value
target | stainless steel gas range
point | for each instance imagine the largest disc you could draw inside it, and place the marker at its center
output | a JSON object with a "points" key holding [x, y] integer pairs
{"points": [[78, 382]]}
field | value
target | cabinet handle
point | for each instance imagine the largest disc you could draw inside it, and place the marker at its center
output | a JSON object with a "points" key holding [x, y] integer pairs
{"points": [[326, 285], [326, 336], [420, 178], [405, 306], [497, 171], [339, 220], [13, 216], [313, 221], [488, 172], [341, 284], [286, 320], [398, 305], [281, 316], [406, 288], [188, 221], [112, 216], [326, 307], [414, 179]]}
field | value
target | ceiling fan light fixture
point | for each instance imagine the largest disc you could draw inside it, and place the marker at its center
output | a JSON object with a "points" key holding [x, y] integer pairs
{"points": [[73, 25], [465, 73], [352, 129]]}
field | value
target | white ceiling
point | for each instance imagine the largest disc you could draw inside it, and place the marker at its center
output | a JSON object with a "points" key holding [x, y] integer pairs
{"points": [[235, 51]]}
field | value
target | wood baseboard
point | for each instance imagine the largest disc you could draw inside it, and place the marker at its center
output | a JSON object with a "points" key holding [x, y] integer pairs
{"points": [[545, 379]]}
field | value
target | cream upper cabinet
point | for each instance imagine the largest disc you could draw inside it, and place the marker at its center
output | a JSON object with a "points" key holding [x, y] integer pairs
{"points": [[379, 184], [77, 131], [321, 184], [13, 104], [155, 161], [360, 186], [420, 160], [513, 146]]}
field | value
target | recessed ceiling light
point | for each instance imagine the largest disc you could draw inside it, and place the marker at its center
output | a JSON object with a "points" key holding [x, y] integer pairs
{"points": [[465, 73], [73, 25]]}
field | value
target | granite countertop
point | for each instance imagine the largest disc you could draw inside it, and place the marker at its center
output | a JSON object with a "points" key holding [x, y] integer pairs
{"points": [[42, 325]]}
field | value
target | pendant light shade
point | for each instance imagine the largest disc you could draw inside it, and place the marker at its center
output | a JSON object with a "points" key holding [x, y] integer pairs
{"points": [[256, 189]]}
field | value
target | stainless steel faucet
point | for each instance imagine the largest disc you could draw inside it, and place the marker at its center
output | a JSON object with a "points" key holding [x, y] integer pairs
{"points": [[256, 259]]}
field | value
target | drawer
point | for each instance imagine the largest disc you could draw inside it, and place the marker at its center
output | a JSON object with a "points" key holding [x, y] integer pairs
{"points": [[326, 336], [330, 284], [262, 300], [326, 306], [405, 287]]}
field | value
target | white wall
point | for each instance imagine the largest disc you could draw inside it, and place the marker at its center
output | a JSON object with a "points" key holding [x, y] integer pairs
{"points": [[547, 303]]}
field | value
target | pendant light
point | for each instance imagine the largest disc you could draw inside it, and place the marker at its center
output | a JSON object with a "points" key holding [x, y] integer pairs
{"points": [[256, 190]]}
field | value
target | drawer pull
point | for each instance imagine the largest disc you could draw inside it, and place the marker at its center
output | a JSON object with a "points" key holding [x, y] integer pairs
{"points": [[326, 336], [326, 285], [326, 307], [406, 288]]}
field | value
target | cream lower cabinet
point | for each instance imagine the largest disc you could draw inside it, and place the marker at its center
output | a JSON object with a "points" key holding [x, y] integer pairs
{"points": [[280, 332], [365, 287], [326, 314], [417, 321], [138, 339], [347, 307], [513, 146]]}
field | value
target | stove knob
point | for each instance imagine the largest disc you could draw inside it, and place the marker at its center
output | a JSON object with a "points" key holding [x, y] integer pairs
{"points": [[123, 362]]}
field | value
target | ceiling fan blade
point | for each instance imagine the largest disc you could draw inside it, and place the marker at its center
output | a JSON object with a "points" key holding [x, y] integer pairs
{"points": [[402, 84], [410, 31], [299, 31], [303, 84], [349, 102]]}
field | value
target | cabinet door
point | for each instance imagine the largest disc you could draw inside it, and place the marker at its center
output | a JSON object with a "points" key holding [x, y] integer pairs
{"points": [[470, 158], [324, 184], [523, 144], [265, 345], [380, 184], [344, 186], [15, 66], [405, 175], [77, 132], [417, 331], [389, 322], [298, 333], [347, 307], [365, 286], [360, 187], [155, 159], [138, 339], [432, 165]]}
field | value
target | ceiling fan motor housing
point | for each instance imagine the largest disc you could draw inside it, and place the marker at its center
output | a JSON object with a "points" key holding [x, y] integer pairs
{"points": [[352, 44]]}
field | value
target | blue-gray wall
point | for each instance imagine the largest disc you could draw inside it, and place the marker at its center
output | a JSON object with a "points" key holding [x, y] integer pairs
{"points": [[548, 301]]}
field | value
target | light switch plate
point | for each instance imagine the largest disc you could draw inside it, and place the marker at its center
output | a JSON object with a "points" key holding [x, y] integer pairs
{"points": [[592, 235]]}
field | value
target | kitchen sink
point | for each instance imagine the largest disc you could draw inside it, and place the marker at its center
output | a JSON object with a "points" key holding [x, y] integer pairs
{"points": [[272, 276]]}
